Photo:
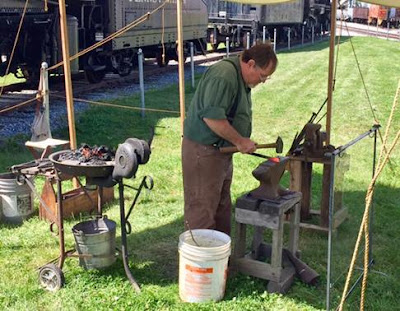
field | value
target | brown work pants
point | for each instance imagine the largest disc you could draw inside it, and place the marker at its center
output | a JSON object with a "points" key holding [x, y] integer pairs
{"points": [[207, 178]]}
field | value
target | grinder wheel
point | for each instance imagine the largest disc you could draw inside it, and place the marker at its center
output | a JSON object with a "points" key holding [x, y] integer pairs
{"points": [[51, 277], [126, 162], [142, 149]]}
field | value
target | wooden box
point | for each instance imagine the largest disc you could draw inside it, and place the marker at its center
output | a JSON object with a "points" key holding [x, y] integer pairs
{"points": [[74, 202]]}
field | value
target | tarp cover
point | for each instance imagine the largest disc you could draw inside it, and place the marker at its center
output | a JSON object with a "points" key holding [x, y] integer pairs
{"points": [[390, 3]]}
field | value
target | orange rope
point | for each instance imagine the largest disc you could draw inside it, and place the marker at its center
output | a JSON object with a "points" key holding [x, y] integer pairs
{"points": [[25, 103], [118, 106]]}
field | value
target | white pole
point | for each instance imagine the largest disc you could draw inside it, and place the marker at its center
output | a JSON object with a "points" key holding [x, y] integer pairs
{"points": [[141, 80], [274, 39], [321, 32], [45, 94], [288, 39], [388, 26], [227, 46], [312, 34], [264, 34], [192, 61], [248, 40], [238, 36]]}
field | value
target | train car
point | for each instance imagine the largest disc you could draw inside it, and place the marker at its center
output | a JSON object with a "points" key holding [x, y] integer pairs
{"points": [[32, 48], [394, 17], [89, 21], [235, 21], [360, 15], [377, 15]]}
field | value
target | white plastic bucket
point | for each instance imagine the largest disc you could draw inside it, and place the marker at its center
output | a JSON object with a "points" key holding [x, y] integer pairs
{"points": [[16, 200], [203, 269]]}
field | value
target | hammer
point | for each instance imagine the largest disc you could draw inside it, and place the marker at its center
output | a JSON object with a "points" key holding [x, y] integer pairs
{"points": [[278, 145]]}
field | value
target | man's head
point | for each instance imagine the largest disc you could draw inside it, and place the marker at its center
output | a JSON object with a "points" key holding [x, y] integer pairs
{"points": [[258, 63]]}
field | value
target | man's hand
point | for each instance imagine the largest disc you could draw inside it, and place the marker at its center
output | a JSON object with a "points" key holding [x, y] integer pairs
{"points": [[225, 130], [246, 145]]}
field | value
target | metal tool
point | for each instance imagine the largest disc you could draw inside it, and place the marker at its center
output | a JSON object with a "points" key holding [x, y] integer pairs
{"points": [[269, 174], [278, 145]]}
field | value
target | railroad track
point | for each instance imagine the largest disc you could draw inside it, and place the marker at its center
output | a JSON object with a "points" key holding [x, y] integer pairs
{"points": [[19, 96], [371, 32]]}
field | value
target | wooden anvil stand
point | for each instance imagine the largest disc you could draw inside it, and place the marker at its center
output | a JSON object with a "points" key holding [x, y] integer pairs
{"points": [[300, 168]]}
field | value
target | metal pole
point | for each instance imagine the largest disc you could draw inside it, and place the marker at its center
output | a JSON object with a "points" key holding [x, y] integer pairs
{"points": [[141, 80], [67, 74], [181, 60], [264, 28], [238, 36], [274, 39], [192, 62], [302, 35], [227, 46], [321, 32], [288, 39], [248, 40], [387, 34], [45, 93], [312, 34], [329, 259]]}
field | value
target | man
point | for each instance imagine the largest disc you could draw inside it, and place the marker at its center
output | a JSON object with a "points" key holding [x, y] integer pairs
{"points": [[220, 115]]}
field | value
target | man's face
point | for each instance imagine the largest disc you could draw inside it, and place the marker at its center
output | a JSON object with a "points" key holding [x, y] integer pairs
{"points": [[256, 74]]}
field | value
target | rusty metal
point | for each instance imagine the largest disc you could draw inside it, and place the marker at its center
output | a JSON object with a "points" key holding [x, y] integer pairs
{"points": [[269, 174], [53, 168]]}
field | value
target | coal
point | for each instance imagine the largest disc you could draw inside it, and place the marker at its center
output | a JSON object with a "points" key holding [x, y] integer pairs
{"points": [[89, 155]]}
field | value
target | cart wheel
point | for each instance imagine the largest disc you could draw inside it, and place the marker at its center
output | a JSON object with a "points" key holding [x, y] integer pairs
{"points": [[51, 277]]}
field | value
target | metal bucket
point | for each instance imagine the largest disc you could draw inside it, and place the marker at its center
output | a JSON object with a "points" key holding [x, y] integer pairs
{"points": [[95, 243], [16, 201]]}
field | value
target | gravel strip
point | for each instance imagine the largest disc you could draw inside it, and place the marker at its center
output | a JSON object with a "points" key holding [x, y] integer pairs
{"points": [[20, 122]]}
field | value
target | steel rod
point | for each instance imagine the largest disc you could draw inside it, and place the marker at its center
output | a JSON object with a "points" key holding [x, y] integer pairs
{"points": [[124, 247]]}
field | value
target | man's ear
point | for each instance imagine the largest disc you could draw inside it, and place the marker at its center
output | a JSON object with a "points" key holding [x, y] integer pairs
{"points": [[251, 63]]}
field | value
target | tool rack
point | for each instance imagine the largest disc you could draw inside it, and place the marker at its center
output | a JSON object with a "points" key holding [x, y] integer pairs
{"points": [[51, 276]]}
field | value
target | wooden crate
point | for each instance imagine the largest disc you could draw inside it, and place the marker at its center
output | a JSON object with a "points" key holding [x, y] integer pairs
{"points": [[74, 202]]}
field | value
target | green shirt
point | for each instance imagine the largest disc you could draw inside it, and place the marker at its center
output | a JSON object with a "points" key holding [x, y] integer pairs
{"points": [[215, 95]]}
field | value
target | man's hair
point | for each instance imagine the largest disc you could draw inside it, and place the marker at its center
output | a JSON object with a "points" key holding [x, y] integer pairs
{"points": [[263, 54]]}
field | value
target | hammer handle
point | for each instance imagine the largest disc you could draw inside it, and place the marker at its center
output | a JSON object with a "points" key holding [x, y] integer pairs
{"points": [[235, 149]]}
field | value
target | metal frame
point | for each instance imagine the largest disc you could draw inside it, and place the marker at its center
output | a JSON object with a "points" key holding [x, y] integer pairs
{"points": [[25, 171], [333, 155]]}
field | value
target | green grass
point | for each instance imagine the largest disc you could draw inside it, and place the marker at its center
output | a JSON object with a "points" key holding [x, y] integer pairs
{"points": [[281, 107]]}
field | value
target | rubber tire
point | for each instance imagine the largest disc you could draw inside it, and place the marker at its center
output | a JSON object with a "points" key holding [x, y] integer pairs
{"points": [[51, 277]]}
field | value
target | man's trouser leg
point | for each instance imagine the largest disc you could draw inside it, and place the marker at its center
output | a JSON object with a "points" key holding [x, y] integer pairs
{"points": [[207, 177]]}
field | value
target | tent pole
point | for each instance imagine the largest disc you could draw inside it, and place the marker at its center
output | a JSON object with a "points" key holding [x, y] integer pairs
{"points": [[330, 74], [67, 74], [181, 62]]}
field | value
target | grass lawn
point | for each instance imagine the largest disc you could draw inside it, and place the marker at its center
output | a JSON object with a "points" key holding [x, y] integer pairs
{"points": [[280, 107]]}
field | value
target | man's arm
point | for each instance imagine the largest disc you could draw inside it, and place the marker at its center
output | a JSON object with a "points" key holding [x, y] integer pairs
{"points": [[225, 130]]}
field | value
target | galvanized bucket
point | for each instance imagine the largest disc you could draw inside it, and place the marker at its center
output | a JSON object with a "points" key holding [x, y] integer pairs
{"points": [[16, 200], [95, 243]]}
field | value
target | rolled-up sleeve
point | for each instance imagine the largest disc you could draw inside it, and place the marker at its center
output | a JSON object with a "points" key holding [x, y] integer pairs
{"points": [[217, 99]]}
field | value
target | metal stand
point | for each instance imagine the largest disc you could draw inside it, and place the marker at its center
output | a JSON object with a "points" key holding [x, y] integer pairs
{"points": [[51, 276]]}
